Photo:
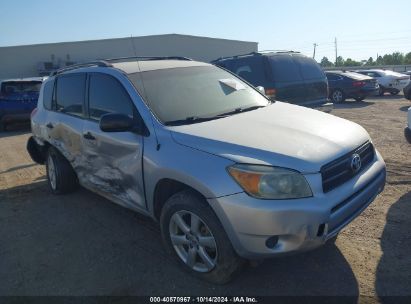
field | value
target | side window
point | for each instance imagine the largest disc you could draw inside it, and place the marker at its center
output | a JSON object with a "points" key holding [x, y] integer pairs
{"points": [[310, 69], [107, 95], [48, 94], [70, 94], [251, 69], [284, 68]]}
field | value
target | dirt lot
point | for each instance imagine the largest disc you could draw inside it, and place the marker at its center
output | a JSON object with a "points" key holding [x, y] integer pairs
{"points": [[81, 244]]}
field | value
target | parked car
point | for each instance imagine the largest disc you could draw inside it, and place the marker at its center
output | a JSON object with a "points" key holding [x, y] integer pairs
{"points": [[286, 76], [407, 130], [389, 81], [229, 174], [343, 85], [18, 97], [407, 89]]}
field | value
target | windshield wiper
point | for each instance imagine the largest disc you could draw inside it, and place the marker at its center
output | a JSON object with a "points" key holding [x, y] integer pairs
{"points": [[190, 120], [197, 119]]}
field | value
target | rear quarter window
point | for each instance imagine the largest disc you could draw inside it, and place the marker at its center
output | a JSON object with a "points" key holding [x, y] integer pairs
{"points": [[251, 69], [310, 69], [48, 95], [284, 68]]}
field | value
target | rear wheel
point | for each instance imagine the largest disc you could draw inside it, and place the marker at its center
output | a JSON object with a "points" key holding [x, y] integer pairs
{"points": [[193, 234], [60, 175], [338, 96]]}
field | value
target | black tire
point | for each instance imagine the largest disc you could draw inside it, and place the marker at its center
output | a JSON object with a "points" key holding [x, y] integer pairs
{"points": [[337, 96], [381, 91], [65, 178], [359, 98], [227, 262], [395, 92]]}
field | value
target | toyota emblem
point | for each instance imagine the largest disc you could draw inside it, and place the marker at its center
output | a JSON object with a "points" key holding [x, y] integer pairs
{"points": [[355, 163]]}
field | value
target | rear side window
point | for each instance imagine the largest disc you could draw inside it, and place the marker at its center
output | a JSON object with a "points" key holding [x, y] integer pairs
{"points": [[70, 94], [107, 95], [309, 68], [250, 69], [284, 68], [48, 94]]}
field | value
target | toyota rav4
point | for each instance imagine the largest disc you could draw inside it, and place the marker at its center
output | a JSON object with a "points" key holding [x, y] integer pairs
{"points": [[229, 174]]}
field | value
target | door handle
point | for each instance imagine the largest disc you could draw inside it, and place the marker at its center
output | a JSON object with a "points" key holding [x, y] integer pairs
{"points": [[89, 136], [50, 125]]}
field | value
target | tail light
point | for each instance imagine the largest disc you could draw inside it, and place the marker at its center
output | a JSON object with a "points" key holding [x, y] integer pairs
{"points": [[33, 112], [358, 83], [270, 93]]}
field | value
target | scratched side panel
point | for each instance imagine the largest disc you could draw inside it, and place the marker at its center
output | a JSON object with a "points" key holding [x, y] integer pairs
{"points": [[112, 164]]}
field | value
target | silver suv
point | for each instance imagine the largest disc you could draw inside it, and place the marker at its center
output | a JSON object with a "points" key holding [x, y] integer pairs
{"points": [[229, 174]]}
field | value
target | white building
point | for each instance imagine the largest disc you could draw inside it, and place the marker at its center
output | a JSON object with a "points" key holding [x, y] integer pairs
{"points": [[40, 59]]}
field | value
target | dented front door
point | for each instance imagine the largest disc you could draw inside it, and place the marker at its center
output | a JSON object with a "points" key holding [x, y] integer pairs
{"points": [[113, 164]]}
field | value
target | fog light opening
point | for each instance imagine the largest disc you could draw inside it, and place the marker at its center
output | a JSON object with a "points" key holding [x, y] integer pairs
{"points": [[271, 241], [321, 230]]}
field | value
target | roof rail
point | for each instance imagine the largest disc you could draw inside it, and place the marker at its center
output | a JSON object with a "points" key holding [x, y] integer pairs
{"points": [[254, 53], [148, 58], [99, 63], [278, 51], [235, 56]]}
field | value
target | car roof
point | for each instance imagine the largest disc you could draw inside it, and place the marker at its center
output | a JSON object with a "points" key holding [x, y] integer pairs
{"points": [[131, 67]]}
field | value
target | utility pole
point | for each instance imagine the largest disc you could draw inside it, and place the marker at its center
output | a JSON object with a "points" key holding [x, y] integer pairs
{"points": [[336, 55], [315, 45]]}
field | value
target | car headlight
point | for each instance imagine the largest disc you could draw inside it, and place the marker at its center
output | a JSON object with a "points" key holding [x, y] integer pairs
{"points": [[270, 182]]}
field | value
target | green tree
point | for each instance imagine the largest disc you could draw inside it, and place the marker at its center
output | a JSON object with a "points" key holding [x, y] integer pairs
{"points": [[370, 62], [326, 63], [397, 58], [407, 58], [339, 61], [350, 62], [388, 59], [379, 61]]}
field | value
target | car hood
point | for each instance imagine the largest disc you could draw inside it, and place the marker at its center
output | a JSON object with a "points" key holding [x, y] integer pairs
{"points": [[281, 134]]}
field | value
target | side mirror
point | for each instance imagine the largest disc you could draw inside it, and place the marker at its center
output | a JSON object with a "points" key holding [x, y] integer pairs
{"points": [[116, 123], [261, 89]]}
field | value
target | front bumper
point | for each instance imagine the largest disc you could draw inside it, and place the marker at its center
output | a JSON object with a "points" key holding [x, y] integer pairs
{"points": [[299, 224]]}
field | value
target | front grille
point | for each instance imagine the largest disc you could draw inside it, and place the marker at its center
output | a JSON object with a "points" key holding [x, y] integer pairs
{"points": [[339, 171]]}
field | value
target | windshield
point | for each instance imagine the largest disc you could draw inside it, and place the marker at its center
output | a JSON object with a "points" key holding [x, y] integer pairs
{"points": [[178, 94], [19, 87]]}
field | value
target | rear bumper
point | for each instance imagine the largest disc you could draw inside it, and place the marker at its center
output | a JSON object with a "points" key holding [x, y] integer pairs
{"points": [[300, 224], [364, 92]]}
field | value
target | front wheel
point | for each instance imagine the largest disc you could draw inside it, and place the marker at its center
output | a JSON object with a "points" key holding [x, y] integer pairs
{"points": [[338, 96], [193, 234]]}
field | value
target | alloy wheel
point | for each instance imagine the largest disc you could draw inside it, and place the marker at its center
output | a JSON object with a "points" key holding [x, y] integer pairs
{"points": [[337, 96], [193, 241]]}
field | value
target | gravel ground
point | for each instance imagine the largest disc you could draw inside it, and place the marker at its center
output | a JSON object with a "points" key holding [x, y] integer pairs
{"points": [[81, 244]]}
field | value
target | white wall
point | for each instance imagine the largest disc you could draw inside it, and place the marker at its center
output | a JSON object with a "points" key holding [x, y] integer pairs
{"points": [[22, 61]]}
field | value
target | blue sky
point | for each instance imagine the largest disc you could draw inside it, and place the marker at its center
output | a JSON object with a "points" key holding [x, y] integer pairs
{"points": [[363, 28]]}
